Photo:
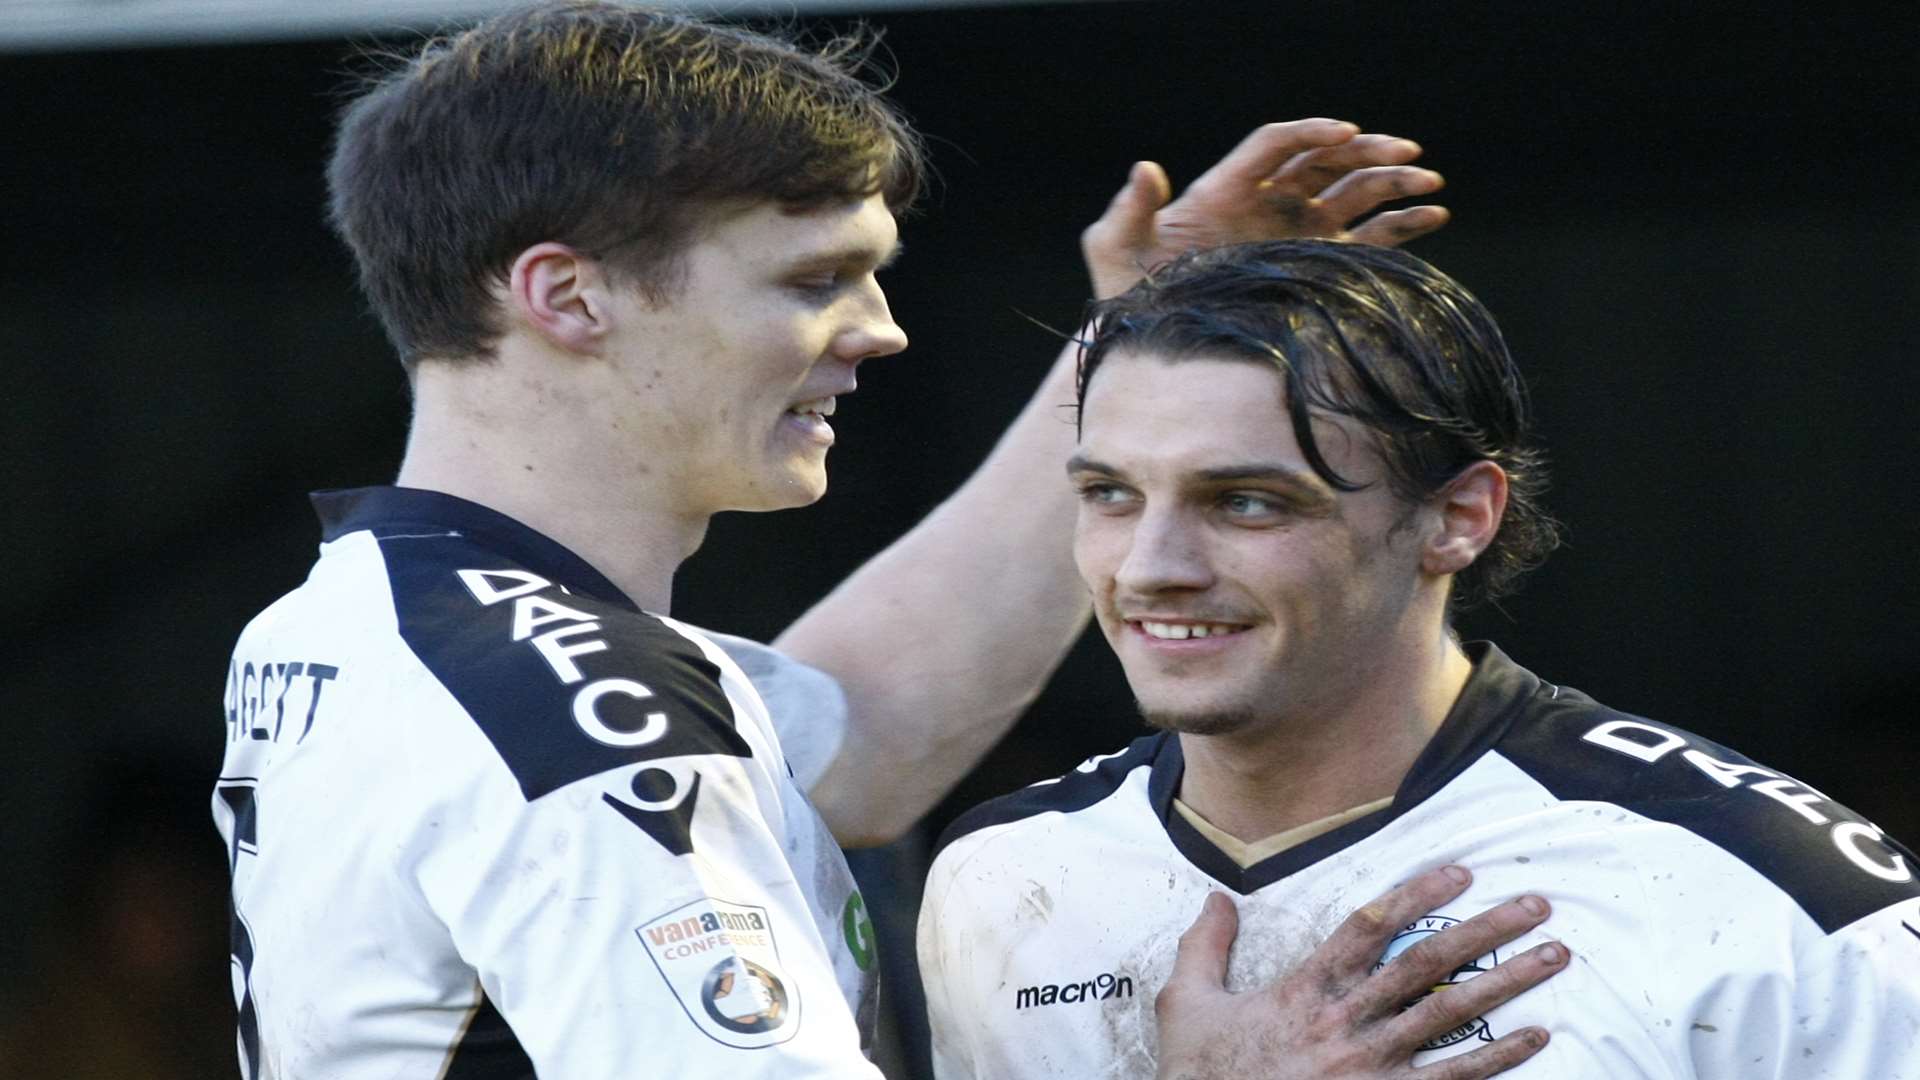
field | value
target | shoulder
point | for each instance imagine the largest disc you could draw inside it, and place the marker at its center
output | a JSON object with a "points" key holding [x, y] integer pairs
{"points": [[1835, 865], [807, 706], [1092, 783], [563, 685]]}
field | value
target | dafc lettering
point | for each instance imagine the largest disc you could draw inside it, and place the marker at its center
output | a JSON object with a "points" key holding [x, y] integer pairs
{"points": [[559, 647], [1859, 842], [1102, 987], [261, 697]]}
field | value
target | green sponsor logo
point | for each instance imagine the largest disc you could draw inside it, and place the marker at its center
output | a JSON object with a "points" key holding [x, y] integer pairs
{"points": [[859, 931]]}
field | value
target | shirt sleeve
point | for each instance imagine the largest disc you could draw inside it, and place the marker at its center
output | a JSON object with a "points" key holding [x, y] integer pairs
{"points": [[943, 971], [1848, 1006], [643, 917], [808, 706]]}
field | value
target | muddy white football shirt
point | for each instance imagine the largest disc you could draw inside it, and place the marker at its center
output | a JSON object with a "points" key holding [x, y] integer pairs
{"points": [[1726, 921], [487, 818]]}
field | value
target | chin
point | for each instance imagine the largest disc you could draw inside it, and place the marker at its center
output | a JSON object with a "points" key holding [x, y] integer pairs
{"points": [[783, 492], [1198, 719], [796, 487]]}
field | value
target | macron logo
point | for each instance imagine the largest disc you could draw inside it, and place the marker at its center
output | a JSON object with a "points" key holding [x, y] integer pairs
{"points": [[1101, 987]]}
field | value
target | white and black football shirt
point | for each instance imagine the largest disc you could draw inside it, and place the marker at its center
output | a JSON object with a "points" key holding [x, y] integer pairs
{"points": [[487, 818], [1726, 921]]}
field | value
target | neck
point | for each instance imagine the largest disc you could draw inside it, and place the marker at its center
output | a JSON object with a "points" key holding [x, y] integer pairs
{"points": [[532, 453], [1298, 769]]}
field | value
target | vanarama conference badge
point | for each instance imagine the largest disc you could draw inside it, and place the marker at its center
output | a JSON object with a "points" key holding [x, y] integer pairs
{"points": [[720, 959]]}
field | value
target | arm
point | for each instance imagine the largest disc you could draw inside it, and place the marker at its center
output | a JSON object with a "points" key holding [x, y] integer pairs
{"points": [[944, 638], [1329, 1019]]}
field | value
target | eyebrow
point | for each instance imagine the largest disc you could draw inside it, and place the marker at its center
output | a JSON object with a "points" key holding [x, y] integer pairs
{"points": [[1308, 484], [1262, 471], [1250, 471], [851, 255], [1082, 463]]}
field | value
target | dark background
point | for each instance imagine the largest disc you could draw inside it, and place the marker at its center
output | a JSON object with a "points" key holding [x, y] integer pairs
{"points": [[1699, 230]]}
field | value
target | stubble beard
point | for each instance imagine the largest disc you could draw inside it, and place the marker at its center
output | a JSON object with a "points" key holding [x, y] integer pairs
{"points": [[1218, 721], [1199, 706]]}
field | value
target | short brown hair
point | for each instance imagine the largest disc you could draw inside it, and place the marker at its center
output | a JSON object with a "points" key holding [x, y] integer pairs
{"points": [[616, 130]]}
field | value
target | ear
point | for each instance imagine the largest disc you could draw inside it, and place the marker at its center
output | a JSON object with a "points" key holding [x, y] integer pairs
{"points": [[562, 295], [1470, 508]]}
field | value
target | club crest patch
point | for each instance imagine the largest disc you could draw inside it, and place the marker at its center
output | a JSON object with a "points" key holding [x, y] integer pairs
{"points": [[721, 962], [1414, 933]]}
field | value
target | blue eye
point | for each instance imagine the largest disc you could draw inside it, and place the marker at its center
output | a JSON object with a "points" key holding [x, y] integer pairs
{"points": [[1246, 503], [1102, 494]]}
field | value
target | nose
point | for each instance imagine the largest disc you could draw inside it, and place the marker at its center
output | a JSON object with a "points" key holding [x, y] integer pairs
{"points": [[871, 331], [1165, 553]]}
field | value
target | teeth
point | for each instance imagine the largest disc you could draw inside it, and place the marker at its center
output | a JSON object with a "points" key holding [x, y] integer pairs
{"points": [[1183, 631], [818, 407]]}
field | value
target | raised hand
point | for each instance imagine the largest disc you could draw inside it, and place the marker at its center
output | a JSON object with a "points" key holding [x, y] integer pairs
{"points": [[1307, 178], [1329, 1018]]}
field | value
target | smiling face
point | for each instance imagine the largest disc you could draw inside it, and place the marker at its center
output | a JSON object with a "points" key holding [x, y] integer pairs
{"points": [[739, 369], [1236, 586]]}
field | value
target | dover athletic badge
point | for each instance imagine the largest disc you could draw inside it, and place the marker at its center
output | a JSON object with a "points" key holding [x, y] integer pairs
{"points": [[1418, 930], [722, 964]]}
